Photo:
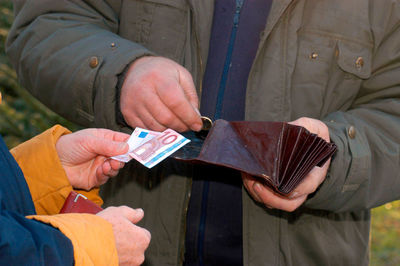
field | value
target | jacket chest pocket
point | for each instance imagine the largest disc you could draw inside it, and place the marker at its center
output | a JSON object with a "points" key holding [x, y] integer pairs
{"points": [[159, 25], [328, 73]]}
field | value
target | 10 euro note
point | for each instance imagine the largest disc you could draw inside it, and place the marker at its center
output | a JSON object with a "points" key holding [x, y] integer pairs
{"points": [[137, 138], [158, 148], [151, 147]]}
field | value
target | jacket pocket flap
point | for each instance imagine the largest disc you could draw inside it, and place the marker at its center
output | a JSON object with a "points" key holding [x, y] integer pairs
{"points": [[180, 4], [355, 59]]}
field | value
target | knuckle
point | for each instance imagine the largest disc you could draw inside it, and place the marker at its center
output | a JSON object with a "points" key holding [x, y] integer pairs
{"points": [[166, 118], [176, 103], [112, 208], [154, 125], [124, 208]]}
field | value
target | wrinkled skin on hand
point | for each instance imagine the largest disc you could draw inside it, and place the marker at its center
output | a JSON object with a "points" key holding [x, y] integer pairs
{"points": [[131, 240], [311, 182], [85, 154], [157, 94]]}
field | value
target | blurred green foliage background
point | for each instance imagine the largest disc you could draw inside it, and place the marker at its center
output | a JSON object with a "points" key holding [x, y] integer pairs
{"points": [[23, 117]]}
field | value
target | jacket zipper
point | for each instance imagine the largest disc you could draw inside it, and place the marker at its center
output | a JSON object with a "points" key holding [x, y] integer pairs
{"points": [[217, 115], [228, 58], [189, 182]]}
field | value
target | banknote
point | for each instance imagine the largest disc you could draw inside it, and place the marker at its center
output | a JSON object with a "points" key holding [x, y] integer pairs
{"points": [[137, 138], [158, 148], [151, 147]]}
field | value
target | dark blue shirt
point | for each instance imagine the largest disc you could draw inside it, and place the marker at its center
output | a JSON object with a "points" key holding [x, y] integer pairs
{"points": [[214, 222]]}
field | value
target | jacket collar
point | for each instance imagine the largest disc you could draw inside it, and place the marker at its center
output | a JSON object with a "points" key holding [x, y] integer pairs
{"points": [[203, 12], [202, 18], [277, 9]]}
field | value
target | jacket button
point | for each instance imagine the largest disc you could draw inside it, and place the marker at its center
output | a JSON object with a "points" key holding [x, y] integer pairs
{"points": [[313, 55], [352, 132], [359, 62], [94, 62]]}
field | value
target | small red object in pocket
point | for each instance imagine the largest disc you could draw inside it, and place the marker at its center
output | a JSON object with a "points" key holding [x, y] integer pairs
{"points": [[78, 203]]}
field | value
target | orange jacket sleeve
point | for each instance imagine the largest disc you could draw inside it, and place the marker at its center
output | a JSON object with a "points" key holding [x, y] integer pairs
{"points": [[46, 178], [91, 236]]}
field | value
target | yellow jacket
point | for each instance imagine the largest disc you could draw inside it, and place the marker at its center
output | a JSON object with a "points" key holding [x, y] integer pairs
{"points": [[92, 237]]}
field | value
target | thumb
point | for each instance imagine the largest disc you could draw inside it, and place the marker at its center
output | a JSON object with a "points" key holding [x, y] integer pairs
{"points": [[133, 215], [107, 147], [186, 81]]}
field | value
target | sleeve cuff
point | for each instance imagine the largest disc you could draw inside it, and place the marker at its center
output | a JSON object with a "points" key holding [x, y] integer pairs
{"points": [[343, 187], [92, 237]]}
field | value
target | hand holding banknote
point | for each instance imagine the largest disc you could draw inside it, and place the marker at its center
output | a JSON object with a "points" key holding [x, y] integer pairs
{"points": [[157, 94]]}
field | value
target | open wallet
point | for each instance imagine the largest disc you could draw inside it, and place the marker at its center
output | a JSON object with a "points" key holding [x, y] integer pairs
{"points": [[278, 153]]}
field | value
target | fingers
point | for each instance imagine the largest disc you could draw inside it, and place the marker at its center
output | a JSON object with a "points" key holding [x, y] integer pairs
{"points": [[186, 81], [157, 113], [109, 168], [105, 147], [131, 241], [133, 215], [116, 165], [157, 94], [273, 200], [269, 198], [174, 97], [314, 126], [311, 182], [108, 134]]}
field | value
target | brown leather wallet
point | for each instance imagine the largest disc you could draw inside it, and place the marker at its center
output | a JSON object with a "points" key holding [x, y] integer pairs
{"points": [[279, 153], [77, 203]]}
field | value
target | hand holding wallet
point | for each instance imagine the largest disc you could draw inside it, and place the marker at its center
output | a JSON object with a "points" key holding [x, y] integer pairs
{"points": [[278, 153]]}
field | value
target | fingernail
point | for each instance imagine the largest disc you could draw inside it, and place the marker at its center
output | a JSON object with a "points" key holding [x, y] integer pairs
{"points": [[293, 195], [257, 189], [197, 111], [139, 210], [122, 145], [197, 127]]}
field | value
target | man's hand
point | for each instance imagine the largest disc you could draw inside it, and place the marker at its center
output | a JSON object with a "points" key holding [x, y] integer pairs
{"points": [[84, 156], [270, 199], [157, 94], [131, 240]]}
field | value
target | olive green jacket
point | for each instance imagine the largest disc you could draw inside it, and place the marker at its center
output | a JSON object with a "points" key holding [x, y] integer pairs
{"points": [[334, 60]]}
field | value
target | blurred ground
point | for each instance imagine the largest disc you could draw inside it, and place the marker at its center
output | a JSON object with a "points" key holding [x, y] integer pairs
{"points": [[22, 117]]}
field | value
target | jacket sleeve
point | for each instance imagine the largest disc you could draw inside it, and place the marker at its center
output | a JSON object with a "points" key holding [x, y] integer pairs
{"points": [[69, 50], [44, 174], [365, 171], [27, 242], [91, 236]]}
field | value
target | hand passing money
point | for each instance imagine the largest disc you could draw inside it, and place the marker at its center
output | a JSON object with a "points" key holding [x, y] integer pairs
{"points": [[151, 147]]}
